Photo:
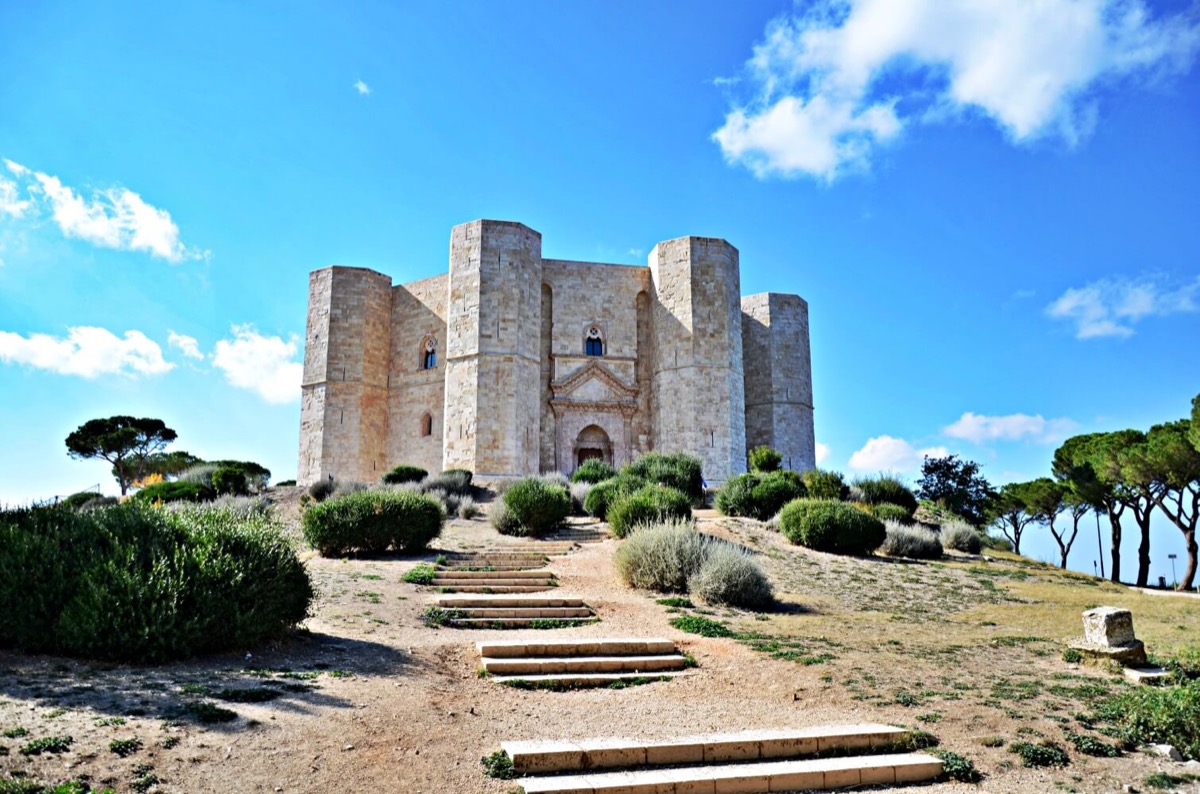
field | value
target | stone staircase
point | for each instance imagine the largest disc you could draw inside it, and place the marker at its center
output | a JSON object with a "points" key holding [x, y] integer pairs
{"points": [[592, 534], [512, 581], [515, 612], [580, 662], [495, 561], [751, 762]]}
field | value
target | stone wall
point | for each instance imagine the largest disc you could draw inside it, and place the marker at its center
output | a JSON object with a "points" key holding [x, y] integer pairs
{"points": [[778, 377], [417, 395]]}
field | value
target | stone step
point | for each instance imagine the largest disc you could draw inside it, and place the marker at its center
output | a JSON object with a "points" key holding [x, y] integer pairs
{"points": [[467, 567], [510, 602], [455, 581], [510, 612], [547, 665], [494, 555], [515, 622], [495, 575], [580, 646], [752, 778], [482, 588], [582, 680], [559, 756]]}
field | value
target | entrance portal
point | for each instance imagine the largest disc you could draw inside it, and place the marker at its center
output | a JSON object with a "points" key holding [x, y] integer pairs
{"points": [[593, 443]]}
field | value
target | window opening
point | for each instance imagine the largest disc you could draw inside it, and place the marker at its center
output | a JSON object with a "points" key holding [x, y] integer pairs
{"points": [[593, 345], [429, 355]]}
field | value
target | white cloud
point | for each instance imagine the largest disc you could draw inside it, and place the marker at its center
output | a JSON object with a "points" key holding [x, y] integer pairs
{"points": [[1111, 307], [980, 428], [833, 84], [87, 352], [822, 453], [362, 88], [262, 364], [114, 218], [886, 453], [10, 199], [186, 345]]}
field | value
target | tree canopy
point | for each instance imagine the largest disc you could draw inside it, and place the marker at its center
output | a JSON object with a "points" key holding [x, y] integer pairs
{"points": [[124, 441], [957, 485]]}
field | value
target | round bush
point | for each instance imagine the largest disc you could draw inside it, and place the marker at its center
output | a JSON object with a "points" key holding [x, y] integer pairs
{"points": [[322, 489], [730, 577], [135, 584], [773, 491], [736, 497], [662, 557], [765, 459], [404, 473], [826, 525], [228, 480], [174, 492], [887, 490], [913, 542], [503, 521], [961, 536], [679, 471], [451, 481], [536, 505], [593, 471], [372, 522], [651, 503], [78, 500], [827, 485], [885, 511], [605, 493]]}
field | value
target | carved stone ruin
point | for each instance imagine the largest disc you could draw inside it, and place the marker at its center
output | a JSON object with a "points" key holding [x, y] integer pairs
{"points": [[1108, 636]]}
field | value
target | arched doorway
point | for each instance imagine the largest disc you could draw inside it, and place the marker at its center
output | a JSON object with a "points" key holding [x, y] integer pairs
{"points": [[593, 442]]}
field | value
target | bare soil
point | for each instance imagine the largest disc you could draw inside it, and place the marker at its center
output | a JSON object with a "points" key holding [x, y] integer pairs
{"points": [[365, 697]]}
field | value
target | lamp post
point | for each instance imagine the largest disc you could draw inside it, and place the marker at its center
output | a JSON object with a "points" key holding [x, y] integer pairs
{"points": [[1099, 543], [1174, 581]]}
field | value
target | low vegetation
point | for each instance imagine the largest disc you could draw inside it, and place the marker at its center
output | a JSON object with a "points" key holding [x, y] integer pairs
{"points": [[961, 536], [593, 471], [1157, 715], [836, 527], [534, 507], [914, 542], [759, 496], [372, 522], [404, 473], [647, 505], [138, 584]]}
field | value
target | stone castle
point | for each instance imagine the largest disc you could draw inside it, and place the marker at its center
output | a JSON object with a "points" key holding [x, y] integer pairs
{"points": [[512, 364]]}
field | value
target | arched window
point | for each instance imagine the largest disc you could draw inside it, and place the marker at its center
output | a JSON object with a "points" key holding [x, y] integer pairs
{"points": [[429, 354], [427, 425], [593, 343]]}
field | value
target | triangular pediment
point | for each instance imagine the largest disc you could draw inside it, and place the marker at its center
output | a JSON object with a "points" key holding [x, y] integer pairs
{"points": [[593, 383]]}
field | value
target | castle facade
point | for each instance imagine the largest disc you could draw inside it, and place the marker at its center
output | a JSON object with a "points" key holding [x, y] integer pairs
{"points": [[511, 364]]}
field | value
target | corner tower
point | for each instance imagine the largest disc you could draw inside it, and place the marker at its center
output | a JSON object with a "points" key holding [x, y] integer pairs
{"points": [[343, 396], [493, 349], [699, 393], [778, 370]]}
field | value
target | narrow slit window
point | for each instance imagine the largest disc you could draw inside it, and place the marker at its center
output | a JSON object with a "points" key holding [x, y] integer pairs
{"points": [[427, 425]]}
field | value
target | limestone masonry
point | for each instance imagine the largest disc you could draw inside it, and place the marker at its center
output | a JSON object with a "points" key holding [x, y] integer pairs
{"points": [[512, 364]]}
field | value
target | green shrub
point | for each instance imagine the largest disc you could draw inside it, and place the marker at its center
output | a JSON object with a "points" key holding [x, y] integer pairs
{"points": [[257, 476], [135, 584], [498, 765], [371, 522], [831, 526], [174, 492], [764, 459], [537, 506], [995, 542], [228, 480], [1157, 715], [705, 627], [285, 484], [1045, 753], [822, 484], [1090, 745], [404, 473], [649, 504], [730, 577], [593, 471], [422, 573], [679, 471], [888, 512], [504, 521], [914, 542], [759, 496], [322, 489], [961, 536], [460, 474], [456, 482], [579, 495], [662, 557], [78, 500], [604, 493], [957, 767], [883, 490]]}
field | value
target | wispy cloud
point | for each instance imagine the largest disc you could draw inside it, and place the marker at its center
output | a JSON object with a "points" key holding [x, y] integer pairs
{"points": [[1111, 307], [831, 85], [115, 217], [362, 88], [87, 352], [887, 453], [188, 345], [1013, 427], [822, 451], [265, 365]]}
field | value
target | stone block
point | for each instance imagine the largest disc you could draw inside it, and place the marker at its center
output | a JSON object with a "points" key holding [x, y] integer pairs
{"points": [[1108, 626]]}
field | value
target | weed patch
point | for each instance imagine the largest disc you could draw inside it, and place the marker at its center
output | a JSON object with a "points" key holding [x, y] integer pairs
{"points": [[695, 624], [498, 765], [48, 744], [956, 767], [1045, 753], [125, 747]]}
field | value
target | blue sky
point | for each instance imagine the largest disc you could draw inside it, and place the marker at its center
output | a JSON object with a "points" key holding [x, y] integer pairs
{"points": [[991, 208]]}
